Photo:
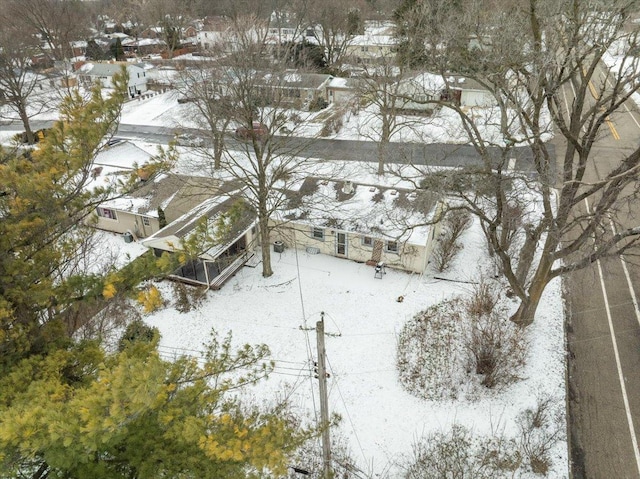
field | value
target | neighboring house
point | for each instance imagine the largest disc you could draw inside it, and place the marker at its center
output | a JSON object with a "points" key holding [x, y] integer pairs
{"points": [[233, 245], [143, 46], [370, 49], [103, 73], [151, 32], [341, 91], [361, 222], [422, 88], [469, 92], [303, 87], [215, 32]]}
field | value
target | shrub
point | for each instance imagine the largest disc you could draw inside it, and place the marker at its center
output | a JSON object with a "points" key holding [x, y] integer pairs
{"points": [[187, 297], [318, 104], [540, 431], [497, 347], [460, 346], [429, 353], [137, 331], [458, 454], [448, 246], [150, 299]]}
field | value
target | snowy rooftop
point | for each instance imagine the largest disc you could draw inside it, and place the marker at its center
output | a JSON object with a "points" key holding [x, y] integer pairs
{"points": [[364, 208], [124, 155]]}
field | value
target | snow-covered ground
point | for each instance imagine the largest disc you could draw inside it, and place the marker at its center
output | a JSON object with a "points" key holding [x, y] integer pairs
{"points": [[362, 320]]}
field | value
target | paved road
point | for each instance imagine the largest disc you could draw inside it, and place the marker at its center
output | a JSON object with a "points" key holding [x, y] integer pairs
{"points": [[603, 333], [436, 154]]}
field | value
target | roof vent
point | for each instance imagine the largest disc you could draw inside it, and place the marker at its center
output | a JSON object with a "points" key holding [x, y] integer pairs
{"points": [[347, 188]]}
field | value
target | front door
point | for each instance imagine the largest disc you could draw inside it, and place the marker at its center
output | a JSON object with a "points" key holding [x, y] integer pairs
{"points": [[341, 244]]}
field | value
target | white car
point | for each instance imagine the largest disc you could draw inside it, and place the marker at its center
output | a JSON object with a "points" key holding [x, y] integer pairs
{"points": [[188, 139]]}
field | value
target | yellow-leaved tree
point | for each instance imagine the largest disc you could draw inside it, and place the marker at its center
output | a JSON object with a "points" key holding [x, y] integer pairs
{"points": [[133, 414]]}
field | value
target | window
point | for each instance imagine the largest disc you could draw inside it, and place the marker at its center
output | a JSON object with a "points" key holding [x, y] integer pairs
{"points": [[107, 213], [392, 246], [318, 233], [367, 241], [146, 221]]}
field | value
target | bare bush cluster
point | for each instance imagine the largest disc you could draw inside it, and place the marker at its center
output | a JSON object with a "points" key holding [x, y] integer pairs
{"points": [[461, 346], [331, 125], [540, 428], [187, 297], [458, 454], [429, 353], [448, 245]]}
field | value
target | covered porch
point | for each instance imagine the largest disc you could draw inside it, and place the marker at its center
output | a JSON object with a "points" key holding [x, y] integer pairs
{"points": [[213, 273]]}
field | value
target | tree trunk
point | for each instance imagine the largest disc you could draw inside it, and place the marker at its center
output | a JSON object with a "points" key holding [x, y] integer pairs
{"points": [[526, 312], [218, 145], [382, 149], [264, 245], [22, 112], [525, 259], [382, 146]]}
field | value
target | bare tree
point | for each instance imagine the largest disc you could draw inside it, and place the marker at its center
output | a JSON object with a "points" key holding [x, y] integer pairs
{"points": [[542, 62], [332, 24], [17, 81], [388, 91], [255, 97], [56, 22], [204, 87], [171, 18]]}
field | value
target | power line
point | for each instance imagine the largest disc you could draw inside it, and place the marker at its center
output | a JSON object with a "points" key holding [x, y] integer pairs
{"points": [[346, 409]]}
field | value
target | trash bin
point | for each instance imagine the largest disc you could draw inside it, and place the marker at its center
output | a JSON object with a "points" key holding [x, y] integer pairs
{"points": [[278, 247], [128, 237]]}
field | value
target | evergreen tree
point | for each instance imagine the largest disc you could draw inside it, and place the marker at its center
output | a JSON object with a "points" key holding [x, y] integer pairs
{"points": [[117, 51], [94, 51], [82, 413], [44, 200], [162, 220]]}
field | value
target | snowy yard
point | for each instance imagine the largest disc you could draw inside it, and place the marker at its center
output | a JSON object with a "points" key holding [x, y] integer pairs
{"points": [[362, 320]]}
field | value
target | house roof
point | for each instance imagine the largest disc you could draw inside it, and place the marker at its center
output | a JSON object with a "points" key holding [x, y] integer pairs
{"points": [[212, 210], [367, 209], [124, 155], [175, 194], [459, 82], [308, 81], [104, 69]]}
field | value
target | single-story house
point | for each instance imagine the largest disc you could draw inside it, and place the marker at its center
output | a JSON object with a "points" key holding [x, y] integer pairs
{"points": [[420, 89], [342, 90], [90, 73], [143, 46], [470, 92], [138, 213], [298, 87], [369, 49], [457, 89], [362, 222], [222, 228]]}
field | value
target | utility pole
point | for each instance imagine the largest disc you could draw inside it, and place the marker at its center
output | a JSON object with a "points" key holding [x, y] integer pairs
{"points": [[324, 400]]}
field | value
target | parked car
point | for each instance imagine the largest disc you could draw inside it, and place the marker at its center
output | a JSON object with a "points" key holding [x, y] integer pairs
{"points": [[187, 139], [259, 131]]}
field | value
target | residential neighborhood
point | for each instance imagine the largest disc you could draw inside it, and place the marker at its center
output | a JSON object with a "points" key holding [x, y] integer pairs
{"points": [[332, 239]]}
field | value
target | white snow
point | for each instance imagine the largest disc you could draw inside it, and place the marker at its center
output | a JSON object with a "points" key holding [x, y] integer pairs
{"points": [[362, 320]]}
